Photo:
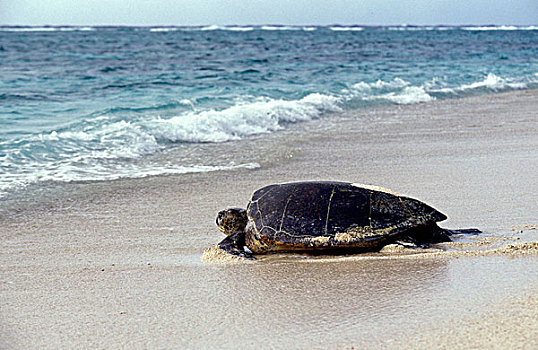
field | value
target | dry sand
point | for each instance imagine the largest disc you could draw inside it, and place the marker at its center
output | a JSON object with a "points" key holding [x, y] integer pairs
{"points": [[118, 264]]}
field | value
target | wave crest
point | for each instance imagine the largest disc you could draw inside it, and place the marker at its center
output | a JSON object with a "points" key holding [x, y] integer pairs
{"points": [[493, 82], [346, 29], [46, 29], [107, 147], [262, 116], [400, 91], [397, 91], [502, 27]]}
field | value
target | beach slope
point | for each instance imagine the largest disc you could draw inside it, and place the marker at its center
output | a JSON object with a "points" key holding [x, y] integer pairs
{"points": [[118, 264]]}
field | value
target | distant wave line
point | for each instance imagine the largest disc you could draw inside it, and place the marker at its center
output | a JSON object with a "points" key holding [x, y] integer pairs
{"points": [[248, 28]]}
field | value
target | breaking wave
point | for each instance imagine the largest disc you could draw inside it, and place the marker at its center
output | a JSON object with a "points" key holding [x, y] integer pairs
{"points": [[502, 27], [346, 29], [46, 29], [400, 91], [491, 82], [261, 116], [396, 91], [247, 28], [93, 148], [140, 101], [251, 28], [108, 147]]}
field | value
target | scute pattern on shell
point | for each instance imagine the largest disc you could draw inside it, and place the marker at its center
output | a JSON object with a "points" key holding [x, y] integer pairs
{"points": [[331, 214]]}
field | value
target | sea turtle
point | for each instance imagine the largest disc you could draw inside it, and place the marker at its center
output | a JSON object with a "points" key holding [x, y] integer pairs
{"points": [[327, 217]]}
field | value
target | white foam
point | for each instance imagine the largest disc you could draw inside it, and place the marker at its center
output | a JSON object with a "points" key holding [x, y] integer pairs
{"points": [[284, 28], [135, 138], [84, 168], [402, 28], [279, 28], [472, 28], [69, 170], [444, 90], [397, 90], [402, 92], [395, 83], [46, 29], [249, 118], [68, 135], [407, 28], [187, 102], [381, 84], [164, 29], [68, 173], [346, 29], [238, 29], [409, 95], [502, 27], [493, 82], [228, 28], [113, 140], [211, 27], [108, 149], [362, 86]]}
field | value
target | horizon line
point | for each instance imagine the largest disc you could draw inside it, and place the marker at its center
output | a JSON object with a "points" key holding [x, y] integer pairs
{"points": [[271, 24]]}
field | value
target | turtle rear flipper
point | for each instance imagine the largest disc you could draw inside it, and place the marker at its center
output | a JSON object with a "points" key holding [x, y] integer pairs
{"points": [[424, 235], [464, 231], [427, 234], [234, 244]]}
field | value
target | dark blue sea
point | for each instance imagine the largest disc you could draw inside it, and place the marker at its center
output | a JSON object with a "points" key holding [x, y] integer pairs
{"points": [[101, 103]]}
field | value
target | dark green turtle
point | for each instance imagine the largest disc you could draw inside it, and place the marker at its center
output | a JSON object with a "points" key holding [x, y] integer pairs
{"points": [[328, 217]]}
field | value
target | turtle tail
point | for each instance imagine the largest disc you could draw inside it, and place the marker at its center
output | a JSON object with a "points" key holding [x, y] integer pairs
{"points": [[235, 244]]}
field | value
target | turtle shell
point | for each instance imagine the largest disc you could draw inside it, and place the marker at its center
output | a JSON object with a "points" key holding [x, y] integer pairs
{"points": [[318, 215]]}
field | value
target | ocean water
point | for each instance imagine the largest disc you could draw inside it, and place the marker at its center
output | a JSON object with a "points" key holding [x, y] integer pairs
{"points": [[102, 103]]}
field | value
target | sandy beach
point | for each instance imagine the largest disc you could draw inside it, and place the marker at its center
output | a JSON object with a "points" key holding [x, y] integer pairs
{"points": [[118, 264]]}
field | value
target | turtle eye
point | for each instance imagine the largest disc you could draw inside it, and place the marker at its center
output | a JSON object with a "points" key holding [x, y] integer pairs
{"points": [[219, 218]]}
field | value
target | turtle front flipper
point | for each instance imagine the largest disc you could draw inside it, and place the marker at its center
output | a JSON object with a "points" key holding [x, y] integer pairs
{"points": [[235, 244]]}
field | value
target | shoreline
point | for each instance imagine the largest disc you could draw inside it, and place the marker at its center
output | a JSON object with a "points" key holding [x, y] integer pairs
{"points": [[283, 150], [117, 264]]}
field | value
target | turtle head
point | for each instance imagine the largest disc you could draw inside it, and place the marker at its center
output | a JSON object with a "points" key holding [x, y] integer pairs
{"points": [[232, 220]]}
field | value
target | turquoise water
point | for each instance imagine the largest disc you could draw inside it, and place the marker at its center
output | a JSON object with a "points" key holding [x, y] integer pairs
{"points": [[96, 103]]}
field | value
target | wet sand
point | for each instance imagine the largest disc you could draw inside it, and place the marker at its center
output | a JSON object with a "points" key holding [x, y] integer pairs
{"points": [[118, 264]]}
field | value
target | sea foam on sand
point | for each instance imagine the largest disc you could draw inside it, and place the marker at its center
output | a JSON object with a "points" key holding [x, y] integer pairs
{"points": [[219, 256]]}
